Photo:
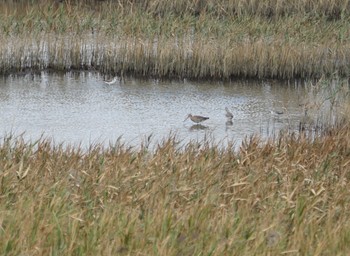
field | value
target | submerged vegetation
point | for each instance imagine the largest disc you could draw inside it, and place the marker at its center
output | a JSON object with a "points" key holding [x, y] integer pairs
{"points": [[289, 197], [178, 39]]}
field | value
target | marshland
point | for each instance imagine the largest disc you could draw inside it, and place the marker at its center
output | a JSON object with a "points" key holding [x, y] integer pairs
{"points": [[95, 168], [178, 39]]}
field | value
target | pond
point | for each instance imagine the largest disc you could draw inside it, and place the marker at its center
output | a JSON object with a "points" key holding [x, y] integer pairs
{"points": [[79, 108]]}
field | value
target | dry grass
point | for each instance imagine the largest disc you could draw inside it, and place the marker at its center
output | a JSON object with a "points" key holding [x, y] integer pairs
{"points": [[290, 196], [127, 37], [175, 57], [333, 9]]}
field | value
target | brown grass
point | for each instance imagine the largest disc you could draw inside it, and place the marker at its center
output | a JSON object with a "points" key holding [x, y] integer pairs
{"points": [[175, 57], [333, 9], [285, 197], [135, 39]]}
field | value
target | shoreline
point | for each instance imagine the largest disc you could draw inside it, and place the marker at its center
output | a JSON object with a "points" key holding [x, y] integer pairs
{"points": [[131, 39]]}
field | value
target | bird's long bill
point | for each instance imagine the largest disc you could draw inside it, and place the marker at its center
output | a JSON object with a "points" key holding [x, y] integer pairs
{"points": [[186, 118]]}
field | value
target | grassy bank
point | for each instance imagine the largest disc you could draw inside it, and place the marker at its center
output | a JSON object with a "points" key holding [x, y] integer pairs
{"points": [[333, 9], [258, 39], [288, 197]]}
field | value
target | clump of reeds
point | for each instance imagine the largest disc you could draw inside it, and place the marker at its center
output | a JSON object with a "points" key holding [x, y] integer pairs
{"points": [[174, 57], [285, 196], [128, 37], [335, 9]]}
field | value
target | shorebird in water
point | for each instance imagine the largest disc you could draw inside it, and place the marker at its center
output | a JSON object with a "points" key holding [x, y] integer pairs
{"points": [[115, 79], [228, 113], [196, 119], [277, 112]]}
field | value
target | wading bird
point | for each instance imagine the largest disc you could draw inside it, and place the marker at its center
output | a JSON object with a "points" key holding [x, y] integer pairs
{"points": [[196, 119], [276, 112], [228, 113], [115, 79]]}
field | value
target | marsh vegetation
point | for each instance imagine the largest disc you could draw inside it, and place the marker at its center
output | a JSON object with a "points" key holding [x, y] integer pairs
{"points": [[285, 195], [178, 39]]}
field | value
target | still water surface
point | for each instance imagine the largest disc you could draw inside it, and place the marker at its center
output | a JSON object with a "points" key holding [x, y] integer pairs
{"points": [[79, 108]]}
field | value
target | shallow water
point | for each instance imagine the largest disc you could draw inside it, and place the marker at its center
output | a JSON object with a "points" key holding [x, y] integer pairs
{"points": [[79, 108]]}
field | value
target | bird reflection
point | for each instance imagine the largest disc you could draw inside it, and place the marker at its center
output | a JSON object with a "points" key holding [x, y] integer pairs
{"points": [[229, 117], [229, 122], [197, 127]]}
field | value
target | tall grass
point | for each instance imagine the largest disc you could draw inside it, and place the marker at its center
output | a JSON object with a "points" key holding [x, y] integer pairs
{"points": [[127, 37], [333, 9], [175, 57], [285, 197]]}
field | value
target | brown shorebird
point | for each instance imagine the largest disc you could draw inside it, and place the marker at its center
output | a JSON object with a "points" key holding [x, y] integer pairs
{"points": [[196, 119], [228, 113]]}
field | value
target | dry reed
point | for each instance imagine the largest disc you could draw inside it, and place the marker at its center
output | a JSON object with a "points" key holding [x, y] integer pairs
{"points": [[333, 9], [131, 38], [175, 58], [287, 196]]}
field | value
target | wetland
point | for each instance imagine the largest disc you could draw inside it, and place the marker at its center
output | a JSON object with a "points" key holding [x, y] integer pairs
{"points": [[95, 168]]}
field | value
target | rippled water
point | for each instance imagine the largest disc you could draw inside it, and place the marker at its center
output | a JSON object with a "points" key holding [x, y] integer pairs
{"points": [[79, 108]]}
